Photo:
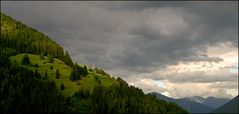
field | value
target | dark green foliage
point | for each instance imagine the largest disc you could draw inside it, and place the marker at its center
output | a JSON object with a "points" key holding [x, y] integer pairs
{"points": [[51, 67], [4, 61], [45, 76], [100, 71], [75, 75], [23, 39], [77, 72], [84, 71], [67, 59], [42, 56], [8, 51], [25, 60], [23, 91], [62, 86], [72, 75], [97, 79], [119, 98], [37, 75], [50, 58], [36, 65], [57, 74]]}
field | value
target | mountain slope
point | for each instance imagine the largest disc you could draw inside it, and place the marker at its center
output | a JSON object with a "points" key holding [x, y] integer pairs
{"points": [[196, 99], [215, 102], [24, 39], [24, 87], [229, 107], [193, 107], [190, 106], [162, 97], [70, 87]]}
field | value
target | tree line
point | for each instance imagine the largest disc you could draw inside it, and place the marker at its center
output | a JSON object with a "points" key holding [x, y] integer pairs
{"points": [[78, 72], [23, 39], [23, 90]]}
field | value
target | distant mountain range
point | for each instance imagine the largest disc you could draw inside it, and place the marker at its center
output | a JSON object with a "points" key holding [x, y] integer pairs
{"points": [[210, 101], [195, 104], [229, 107]]}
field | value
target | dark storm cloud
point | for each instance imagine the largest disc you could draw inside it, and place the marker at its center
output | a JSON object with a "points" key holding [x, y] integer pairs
{"points": [[138, 37]]}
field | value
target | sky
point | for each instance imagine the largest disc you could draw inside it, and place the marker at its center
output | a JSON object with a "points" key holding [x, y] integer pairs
{"points": [[178, 49]]}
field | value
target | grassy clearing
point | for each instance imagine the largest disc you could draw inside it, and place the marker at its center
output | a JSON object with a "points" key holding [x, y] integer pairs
{"points": [[70, 87]]}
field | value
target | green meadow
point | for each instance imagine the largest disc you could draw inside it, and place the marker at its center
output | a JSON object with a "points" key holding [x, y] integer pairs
{"points": [[71, 87]]}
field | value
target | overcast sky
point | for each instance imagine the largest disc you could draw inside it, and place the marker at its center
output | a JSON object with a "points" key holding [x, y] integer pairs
{"points": [[179, 49]]}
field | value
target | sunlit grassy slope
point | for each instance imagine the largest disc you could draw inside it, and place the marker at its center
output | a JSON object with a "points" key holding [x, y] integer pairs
{"points": [[70, 87]]}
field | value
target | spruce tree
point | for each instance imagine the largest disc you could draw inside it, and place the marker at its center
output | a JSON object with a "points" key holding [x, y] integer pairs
{"points": [[85, 72], [25, 60], [45, 77], [62, 86], [67, 59], [57, 74], [72, 76], [50, 58]]}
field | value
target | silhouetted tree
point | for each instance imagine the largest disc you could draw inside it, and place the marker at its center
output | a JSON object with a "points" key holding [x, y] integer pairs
{"points": [[57, 74], [62, 86], [45, 76], [25, 60], [85, 72], [51, 67], [67, 59]]}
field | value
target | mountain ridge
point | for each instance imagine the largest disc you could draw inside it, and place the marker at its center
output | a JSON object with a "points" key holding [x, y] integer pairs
{"points": [[193, 104], [209, 101], [229, 107]]}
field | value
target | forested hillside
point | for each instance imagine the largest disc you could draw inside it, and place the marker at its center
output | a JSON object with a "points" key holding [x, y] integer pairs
{"points": [[22, 39], [32, 79]]}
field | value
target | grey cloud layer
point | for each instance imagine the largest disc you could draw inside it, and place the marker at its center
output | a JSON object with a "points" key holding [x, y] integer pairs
{"points": [[134, 37], [141, 40]]}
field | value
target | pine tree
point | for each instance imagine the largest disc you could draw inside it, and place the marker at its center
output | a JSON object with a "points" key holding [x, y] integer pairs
{"points": [[62, 86], [57, 74], [45, 77], [25, 60], [67, 59], [72, 76], [85, 72], [50, 58]]}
